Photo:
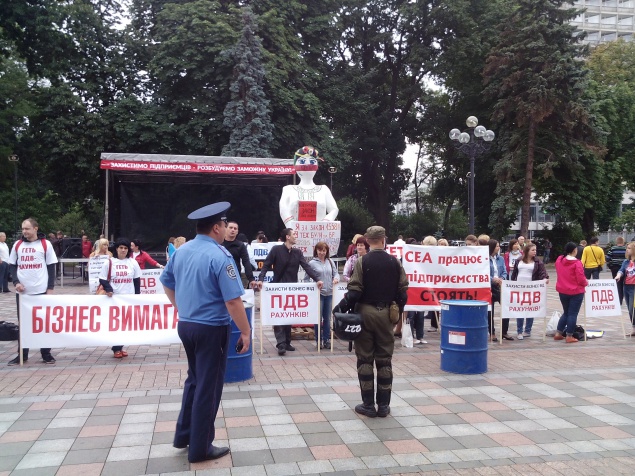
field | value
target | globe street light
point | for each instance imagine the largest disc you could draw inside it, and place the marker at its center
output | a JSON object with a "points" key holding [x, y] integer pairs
{"points": [[473, 143], [14, 158]]}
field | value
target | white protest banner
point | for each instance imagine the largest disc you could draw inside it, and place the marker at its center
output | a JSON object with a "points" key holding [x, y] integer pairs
{"points": [[437, 273], [87, 320], [150, 283], [601, 298], [261, 251], [395, 250], [523, 299], [94, 268], [338, 292], [289, 303], [310, 232]]}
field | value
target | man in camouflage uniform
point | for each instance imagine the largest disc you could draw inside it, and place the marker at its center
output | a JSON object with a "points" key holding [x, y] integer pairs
{"points": [[377, 280]]}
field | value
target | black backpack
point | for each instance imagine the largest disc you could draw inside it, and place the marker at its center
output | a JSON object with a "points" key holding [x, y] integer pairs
{"points": [[9, 331]]}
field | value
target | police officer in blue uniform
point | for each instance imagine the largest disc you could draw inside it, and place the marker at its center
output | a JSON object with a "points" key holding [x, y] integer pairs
{"points": [[202, 282]]}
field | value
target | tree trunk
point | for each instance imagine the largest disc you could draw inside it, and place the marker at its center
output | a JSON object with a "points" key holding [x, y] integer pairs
{"points": [[588, 223], [446, 214], [416, 180], [529, 177]]}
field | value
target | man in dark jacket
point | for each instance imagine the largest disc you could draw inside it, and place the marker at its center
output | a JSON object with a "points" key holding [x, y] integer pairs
{"points": [[238, 250], [286, 261]]}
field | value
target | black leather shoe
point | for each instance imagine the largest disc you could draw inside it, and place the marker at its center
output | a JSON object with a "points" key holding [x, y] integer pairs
{"points": [[290, 347], [214, 452], [16, 361], [282, 349], [180, 446], [383, 411], [366, 410]]}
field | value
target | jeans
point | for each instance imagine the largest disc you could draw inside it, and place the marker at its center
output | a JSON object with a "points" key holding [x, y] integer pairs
{"points": [[571, 304], [529, 322], [629, 295], [416, 323], [326, 305]]}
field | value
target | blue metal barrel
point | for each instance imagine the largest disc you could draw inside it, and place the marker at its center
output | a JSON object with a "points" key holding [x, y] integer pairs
{"points": [[239, 366], [464, 336]]}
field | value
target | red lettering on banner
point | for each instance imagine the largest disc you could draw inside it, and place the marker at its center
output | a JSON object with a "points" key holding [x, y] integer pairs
{"points": [[113, 319], [432, 296], [65, 319]]}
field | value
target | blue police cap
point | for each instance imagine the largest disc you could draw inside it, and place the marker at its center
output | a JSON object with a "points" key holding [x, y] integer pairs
{"points": [[210, 213]]}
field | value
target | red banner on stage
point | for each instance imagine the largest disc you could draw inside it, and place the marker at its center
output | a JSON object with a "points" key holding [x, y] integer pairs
{"points": [[193, 167]]}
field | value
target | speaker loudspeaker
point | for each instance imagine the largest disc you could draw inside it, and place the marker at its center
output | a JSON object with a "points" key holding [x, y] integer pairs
{"points": [[72, 248]]}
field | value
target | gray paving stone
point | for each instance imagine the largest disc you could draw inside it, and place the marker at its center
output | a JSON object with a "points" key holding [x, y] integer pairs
{"points": [[441, 444], [167, 416], [9, 462], [302, 408], [256, 470], [476, 441], [144, 400], [322, 439], [590, 455], [368, 449], [129, 453], [527, 460], [57, 433], [551, 458], [239, 412], [316, 427], [41, 460], [163, 437], [25, 425], [445, 419], [577, 434], [292, 455], [347, 464], [17, 448], [382, 461], [245, 432], [97, 455], [392, 434], [46, 471], [114, 410], [442, 457], [93, 442], [36, 415], [125, 468], [507, 415], [282, 469], [296, 399], [461, 407], [543, 436], [339, 415], [585, 421], [103, 420], [252, 458], [497, 462], [46, 446], [382, 423], [80, 403], [168, 465]]}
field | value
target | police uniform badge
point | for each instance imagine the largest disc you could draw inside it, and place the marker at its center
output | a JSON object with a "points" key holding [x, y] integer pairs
{"points": [[231, 271]]}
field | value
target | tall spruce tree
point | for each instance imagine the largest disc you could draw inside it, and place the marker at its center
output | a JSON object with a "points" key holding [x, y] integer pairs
{"points": [[247, 114], [535, 75]]}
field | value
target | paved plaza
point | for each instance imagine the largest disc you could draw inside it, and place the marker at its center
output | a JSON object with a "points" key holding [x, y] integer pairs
{"points": [[543, 408]]}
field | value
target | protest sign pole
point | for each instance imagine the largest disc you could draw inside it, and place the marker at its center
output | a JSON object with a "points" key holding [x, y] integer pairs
{"points": [[260, 316]]}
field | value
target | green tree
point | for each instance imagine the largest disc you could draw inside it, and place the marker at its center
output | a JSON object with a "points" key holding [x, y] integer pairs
{"points": [[247, 114], [536, 76]]}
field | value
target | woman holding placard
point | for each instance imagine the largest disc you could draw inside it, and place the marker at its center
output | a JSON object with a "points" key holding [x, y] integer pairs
{"points": [[326, 269], [570, 285], [530, 268], [628, 271]]}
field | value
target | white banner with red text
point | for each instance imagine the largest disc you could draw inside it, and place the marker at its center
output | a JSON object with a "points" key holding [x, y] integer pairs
{"points": [[601, 299], [524, 299], [437, 273], [289, 303], [311, 232], [88, 320], [150, 283]]}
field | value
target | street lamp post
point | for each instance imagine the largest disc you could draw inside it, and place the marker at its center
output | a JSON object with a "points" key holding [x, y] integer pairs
{"points": [[473, 143], [14, 158], [332, 170]]}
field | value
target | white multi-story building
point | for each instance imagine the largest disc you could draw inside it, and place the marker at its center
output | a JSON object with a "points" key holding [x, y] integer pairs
{"points": [[606, 20]]}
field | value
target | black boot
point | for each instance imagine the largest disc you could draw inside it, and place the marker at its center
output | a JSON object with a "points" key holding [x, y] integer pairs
{"points": [[383, 410], [366, 409]]}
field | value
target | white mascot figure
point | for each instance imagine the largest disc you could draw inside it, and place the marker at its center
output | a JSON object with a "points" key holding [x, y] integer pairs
{"points": [[306, 201]]}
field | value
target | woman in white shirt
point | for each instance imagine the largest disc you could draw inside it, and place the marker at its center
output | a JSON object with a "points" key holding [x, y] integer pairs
{"points": [[121, 275], [530, 268]]}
